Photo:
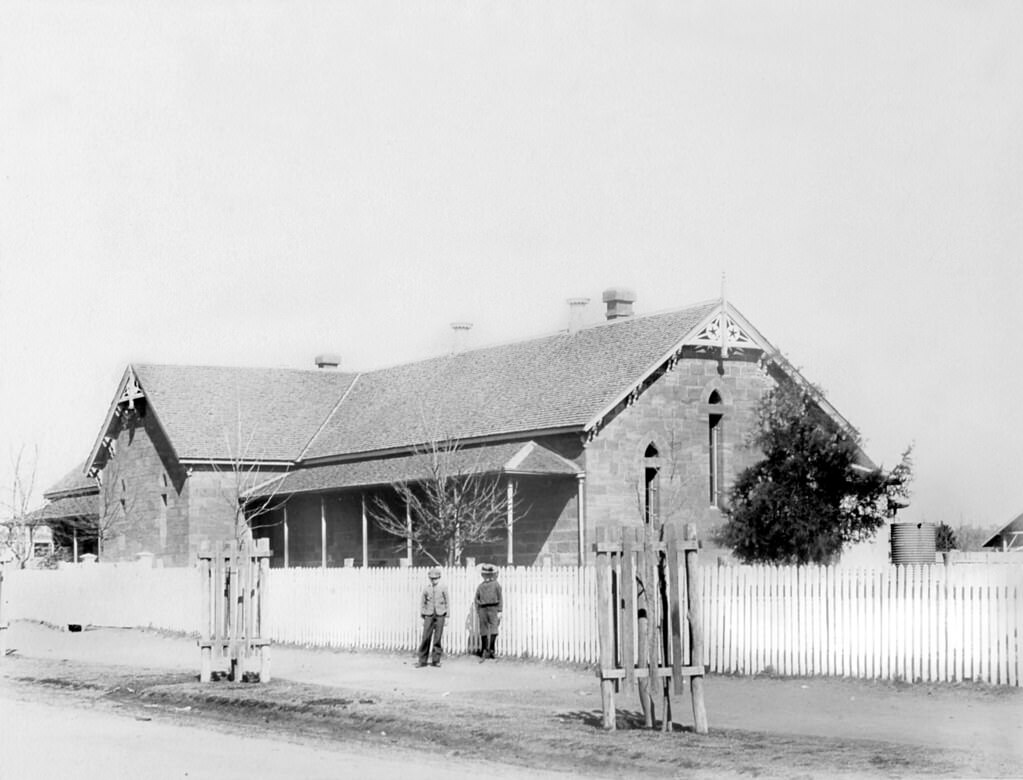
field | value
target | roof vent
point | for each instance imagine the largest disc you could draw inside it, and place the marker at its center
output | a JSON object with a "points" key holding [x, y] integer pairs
{"points": [[461, 336], [576, 311], [328, 360], [619, 302]]}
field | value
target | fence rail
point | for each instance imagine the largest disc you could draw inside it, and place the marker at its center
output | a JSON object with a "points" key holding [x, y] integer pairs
{"points": [[931, 623]]}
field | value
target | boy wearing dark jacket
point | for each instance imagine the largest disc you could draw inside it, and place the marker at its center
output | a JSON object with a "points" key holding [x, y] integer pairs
{"points": [[489, 604]]}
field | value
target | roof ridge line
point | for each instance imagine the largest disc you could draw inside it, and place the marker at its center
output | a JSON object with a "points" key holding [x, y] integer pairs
{"points": [[543, 336], [330, 414], [317, 371]]}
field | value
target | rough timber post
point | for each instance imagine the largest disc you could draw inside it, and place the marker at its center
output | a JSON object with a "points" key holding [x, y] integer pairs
{"points": [[244, 603], [219, 594], [232, 611], [208, 589], [674, 570], [605, 633], [263, 546], [693, 596], [643, 620]]}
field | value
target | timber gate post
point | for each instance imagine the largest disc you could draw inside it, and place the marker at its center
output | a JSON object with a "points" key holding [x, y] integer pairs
{"points": [[649, 621], [235, 579]]}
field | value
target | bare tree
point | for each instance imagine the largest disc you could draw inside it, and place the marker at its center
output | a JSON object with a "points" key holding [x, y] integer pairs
{"points": [[662, 495], [251, 494], [455, 503], [18, 528], [663, 490], [117, 503]]}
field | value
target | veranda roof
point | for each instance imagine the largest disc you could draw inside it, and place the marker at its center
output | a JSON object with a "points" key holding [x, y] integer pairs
{"points": [[520, 458], [75, 482], [72, 507]]}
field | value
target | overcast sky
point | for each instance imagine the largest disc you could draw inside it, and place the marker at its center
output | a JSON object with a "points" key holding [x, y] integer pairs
{"points": [[254, 183]]}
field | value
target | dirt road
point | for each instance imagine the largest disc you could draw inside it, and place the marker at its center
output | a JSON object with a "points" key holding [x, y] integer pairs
{"points": [[99, 745], [534, 715]]}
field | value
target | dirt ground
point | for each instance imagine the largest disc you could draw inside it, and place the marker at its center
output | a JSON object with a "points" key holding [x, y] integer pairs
{"points": [[529, 714]]}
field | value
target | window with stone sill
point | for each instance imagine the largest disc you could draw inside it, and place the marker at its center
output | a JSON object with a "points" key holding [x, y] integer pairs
{"points": [[715, 426]]}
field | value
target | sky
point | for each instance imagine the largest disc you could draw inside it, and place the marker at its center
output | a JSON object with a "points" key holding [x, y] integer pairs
{"points": [[255, 183]]}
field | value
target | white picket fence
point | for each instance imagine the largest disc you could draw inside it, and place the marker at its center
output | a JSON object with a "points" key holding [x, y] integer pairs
{"points": [[550, 612], [915, 623], [932, 623]]}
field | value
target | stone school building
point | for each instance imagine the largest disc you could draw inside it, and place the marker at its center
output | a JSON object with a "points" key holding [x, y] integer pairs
{"points": [[633, 419]]}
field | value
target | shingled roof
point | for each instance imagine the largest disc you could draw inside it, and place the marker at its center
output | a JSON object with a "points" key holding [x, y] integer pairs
{"points": [[202, 409], [223, 413], [560, 381], [85, 506], [75, 482], [74, 496]]}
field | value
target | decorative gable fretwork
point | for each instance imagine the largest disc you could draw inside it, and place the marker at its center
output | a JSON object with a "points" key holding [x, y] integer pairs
{"points": [[132, 390], [723, 333], [123, 413]]}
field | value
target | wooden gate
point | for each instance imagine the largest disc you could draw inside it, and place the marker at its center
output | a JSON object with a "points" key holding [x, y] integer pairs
{"points": [[648, 622], [235, 578]]}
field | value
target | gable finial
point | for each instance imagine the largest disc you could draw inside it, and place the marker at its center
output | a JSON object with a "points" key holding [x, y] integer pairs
{"points": [[724, 322]]}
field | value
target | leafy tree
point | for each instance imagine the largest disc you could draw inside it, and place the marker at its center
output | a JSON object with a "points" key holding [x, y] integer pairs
{"points": [[808, 498], [945, 538]]}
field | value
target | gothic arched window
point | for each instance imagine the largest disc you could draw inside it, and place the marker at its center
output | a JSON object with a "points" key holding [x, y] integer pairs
{"points": [[651, 485], [715, 451]]}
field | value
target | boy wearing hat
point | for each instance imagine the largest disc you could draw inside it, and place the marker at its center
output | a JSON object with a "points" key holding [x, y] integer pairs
{"points": [[489, 604], [433, 606]]}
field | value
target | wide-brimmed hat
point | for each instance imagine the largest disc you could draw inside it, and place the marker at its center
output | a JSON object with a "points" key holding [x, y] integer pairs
{"points": [[488, 568], [434, 573]]}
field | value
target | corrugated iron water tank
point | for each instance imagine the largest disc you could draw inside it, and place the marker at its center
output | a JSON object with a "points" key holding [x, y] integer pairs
{"points": [[913, 543]]}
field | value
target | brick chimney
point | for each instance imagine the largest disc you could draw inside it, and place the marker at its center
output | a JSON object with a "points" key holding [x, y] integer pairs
{"points": [[619, 302], [576, 312], [461, 336], [327, 360]]}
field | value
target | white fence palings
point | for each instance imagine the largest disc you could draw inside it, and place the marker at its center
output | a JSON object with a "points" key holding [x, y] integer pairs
{"points": [[547, 613], [915, 623], [944, 623]]}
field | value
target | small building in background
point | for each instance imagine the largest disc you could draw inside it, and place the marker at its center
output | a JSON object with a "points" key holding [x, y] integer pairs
{"points": [[70, 516], [1009, 538]]}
